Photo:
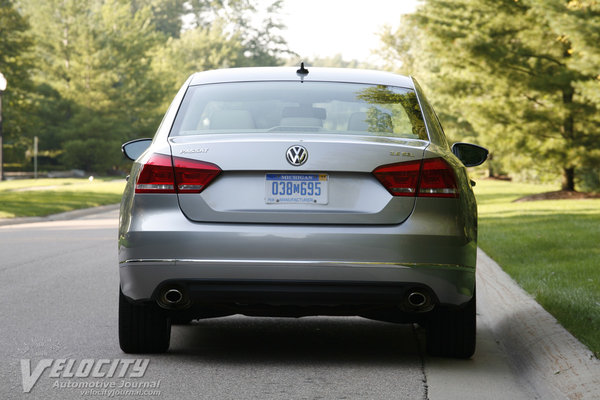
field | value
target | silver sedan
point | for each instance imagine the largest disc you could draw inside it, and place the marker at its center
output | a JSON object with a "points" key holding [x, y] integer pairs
{"points": [[294, 192]]}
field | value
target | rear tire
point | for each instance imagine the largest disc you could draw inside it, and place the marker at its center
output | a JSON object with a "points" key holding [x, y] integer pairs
{"points": [[143, 328], [451, 332], [181, 321]]}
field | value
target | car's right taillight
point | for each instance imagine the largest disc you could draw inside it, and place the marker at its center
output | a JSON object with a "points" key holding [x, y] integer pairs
{"points": [[437, 179], [163, 174], [400, 179], [431, 177]]}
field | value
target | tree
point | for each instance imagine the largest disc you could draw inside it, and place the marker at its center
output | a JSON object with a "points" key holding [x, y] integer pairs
{"points": [[222, 35], [16, 64], [263, 44], [97, 58], [107, 69], [518, 74], [197, 49], [335, 61], [167, 15], [261, 40]]}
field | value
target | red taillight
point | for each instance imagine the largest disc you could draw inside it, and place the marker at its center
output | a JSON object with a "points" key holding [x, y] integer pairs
{"points": [[156, 176], [160, 174], [428, 178], [437, 179], [193, 176], [400, 179]]}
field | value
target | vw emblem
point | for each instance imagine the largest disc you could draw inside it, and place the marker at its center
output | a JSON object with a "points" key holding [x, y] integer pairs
{"points": [[296, 155]]}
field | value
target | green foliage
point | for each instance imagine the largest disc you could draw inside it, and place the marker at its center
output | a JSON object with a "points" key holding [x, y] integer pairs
{"points": [[517, 76], [335, 61], [92, 154], [589, 178], [404, 113], [550, 248], [15, 42], [220, 36], [16, 64], [166, 15], [95, 75], [197, 49], [261, 40], [107, 69]]}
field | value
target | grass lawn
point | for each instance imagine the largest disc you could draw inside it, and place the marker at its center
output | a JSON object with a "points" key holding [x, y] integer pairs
{"points": [[550, 247], [40, 197]]}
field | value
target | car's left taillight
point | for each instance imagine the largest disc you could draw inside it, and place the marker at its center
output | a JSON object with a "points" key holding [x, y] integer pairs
{"points": [[192, 176], [166, 174]]}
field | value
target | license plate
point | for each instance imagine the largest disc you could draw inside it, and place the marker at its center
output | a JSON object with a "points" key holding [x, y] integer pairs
{"points": [[296, 188]]}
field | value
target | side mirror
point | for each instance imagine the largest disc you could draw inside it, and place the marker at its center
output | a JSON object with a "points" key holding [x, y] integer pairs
{"points": [[134, 148], [469, 154]]}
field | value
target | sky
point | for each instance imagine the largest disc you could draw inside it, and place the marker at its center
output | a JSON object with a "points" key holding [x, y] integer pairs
{"points": [[324, 28]]}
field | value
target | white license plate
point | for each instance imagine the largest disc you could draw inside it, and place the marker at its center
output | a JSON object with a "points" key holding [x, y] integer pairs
{"points": [[296, 188]]}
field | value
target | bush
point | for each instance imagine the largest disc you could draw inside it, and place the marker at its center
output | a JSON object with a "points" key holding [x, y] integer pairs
{"points": [[95, 155], [588, 179]]}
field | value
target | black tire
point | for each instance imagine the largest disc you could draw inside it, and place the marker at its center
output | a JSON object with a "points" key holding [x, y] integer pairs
{"points": [[451, 332], [143, 328], [180, 321]]}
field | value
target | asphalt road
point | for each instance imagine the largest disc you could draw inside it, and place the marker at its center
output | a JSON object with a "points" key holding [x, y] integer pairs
{"points": [[58, 301]]}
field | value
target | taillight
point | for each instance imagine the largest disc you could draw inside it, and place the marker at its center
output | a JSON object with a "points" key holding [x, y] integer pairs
{"points": [[432, 177], [156, 176], [437, 179], [193, 176], [160, 174], [400, 179]]}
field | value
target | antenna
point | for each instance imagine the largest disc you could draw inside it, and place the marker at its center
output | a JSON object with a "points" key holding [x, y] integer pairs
{"points": [[302, 72]]}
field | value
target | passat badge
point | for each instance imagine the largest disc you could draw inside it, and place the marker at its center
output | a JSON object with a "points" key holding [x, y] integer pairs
{"points": [[296, 155]]}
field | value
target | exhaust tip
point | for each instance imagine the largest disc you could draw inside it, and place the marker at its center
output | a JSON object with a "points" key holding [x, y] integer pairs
{"points": [[417, 299], [173, 296]]}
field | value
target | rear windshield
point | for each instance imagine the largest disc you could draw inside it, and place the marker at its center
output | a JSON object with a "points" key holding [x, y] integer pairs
{"points": [[343, 108]]}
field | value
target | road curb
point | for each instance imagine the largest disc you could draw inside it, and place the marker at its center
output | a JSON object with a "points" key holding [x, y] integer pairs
{"points": [[543, 354], [59, 217]]}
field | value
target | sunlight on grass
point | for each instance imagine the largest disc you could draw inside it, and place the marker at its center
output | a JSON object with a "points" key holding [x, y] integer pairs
{"points": [[41, 197], [47, 182], [550, 248]]}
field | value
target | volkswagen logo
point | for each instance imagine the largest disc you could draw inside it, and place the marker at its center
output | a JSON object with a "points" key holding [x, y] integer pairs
{"points": [[296, 155]]}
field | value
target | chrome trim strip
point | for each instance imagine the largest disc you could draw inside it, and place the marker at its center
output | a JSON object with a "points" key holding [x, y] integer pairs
{"points": [[293, 262]]}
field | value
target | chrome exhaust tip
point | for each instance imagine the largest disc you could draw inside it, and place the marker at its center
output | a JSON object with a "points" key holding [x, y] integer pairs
{"points": [[173, 296], [417, 299]]}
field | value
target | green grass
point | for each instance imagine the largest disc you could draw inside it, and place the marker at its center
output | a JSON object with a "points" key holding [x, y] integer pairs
{"points": [[551, 248], [50, 196]]}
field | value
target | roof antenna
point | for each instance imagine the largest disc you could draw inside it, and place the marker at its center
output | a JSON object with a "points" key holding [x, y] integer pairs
{"points": [[302, 72]]}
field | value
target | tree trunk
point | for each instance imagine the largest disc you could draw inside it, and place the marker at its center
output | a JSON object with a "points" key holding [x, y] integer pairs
{"points": [[568, 179]]}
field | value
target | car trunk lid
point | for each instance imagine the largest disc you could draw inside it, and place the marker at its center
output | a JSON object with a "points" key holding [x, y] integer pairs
{"points": [[284, 178]]}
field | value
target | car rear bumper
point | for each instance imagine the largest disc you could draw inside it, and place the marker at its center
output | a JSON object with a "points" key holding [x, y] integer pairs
{"points": [[430, 249], [307, 282]]}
